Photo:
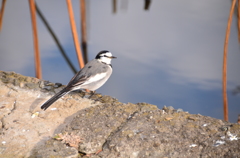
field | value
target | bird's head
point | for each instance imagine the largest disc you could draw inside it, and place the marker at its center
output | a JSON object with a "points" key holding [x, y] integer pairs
{"points": [[105, 56]]}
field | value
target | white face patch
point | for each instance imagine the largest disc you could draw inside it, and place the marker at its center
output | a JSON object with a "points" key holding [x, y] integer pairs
{"points": [[109, 54], [106, 59]]}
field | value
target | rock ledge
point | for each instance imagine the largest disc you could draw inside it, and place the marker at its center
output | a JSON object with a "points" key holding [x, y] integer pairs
{"points": [[102, 127]]}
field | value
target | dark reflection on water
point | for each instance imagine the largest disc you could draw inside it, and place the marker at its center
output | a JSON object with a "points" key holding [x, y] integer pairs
{"points": [[169, 55]]}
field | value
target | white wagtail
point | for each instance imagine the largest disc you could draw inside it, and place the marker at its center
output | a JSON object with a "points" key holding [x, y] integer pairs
{"points": [[92, 76]]}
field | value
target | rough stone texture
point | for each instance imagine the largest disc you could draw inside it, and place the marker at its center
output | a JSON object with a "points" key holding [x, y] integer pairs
{"points": [[20, 99], [55, 149], [105, 128]]}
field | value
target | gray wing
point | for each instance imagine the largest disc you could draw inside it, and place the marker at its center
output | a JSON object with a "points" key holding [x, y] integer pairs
{"points": [[93, 67]]}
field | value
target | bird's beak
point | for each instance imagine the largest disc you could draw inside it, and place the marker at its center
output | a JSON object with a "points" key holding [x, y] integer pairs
{"points": [[112, 57]]}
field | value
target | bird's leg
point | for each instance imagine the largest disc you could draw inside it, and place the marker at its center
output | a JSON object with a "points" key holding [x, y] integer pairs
{"points": [[88, 92], [84, 92], [92, 93]]}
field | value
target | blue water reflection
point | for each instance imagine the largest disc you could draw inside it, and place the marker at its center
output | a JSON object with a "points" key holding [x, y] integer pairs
{"points": [[170, 55]]}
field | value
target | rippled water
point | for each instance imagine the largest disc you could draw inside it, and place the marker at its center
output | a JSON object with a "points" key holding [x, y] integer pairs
{"points": [[169, 55]]}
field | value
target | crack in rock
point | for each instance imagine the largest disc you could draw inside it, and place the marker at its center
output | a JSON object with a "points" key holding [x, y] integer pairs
{"points": [[118, 129]]}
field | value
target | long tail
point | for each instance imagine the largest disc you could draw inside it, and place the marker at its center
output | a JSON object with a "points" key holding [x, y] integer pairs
{"points": [[54, 98]]}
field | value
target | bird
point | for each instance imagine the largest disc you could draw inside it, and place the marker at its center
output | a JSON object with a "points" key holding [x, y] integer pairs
{"points": [[92, 76]]}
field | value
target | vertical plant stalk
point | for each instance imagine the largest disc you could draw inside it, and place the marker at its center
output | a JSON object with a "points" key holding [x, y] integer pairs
{"points": [[114, 3], [224, 75], [2, 12], [147, 4], [38, 70], [84, 29], [238, 16], [74, 32], [55, 39]]}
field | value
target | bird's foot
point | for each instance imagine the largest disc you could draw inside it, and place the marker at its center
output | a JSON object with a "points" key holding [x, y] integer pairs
{"points": [[88, 94]]}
